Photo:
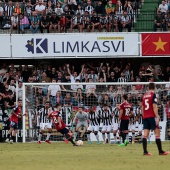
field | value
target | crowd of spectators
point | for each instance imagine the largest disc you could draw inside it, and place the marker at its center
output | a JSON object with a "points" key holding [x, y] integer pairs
{"points": [[62, 16], [91, 94], [162, 19]]}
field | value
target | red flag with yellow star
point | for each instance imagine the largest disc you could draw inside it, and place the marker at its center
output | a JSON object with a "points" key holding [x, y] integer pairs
{"points": [[155, 44]]}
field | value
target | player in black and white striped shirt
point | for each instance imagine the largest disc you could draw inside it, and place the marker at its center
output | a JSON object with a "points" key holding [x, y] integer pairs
{"points": [[116, 112], [132, 124], [93, 118], [106, 116], [45, 121], [140, 120]]}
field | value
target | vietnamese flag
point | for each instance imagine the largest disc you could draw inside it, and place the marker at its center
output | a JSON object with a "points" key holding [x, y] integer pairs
{"points": [[155, 44]]}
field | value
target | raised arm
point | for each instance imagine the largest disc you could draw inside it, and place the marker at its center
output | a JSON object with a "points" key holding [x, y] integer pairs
{"points": [[68, 69], [82, 69]]}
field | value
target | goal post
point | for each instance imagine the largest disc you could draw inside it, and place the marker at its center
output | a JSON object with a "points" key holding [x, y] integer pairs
{"points": [[73, 95]]}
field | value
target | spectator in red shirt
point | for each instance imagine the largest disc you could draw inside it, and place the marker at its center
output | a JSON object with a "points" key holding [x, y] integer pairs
{"points": [[138, 86]]}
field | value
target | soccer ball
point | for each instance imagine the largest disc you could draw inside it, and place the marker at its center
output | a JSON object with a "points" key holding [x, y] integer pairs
{"points": [[79, 143]]}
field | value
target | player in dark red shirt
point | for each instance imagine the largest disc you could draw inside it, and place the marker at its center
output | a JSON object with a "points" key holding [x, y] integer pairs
{"points": [[16, 113], [125, 112], [60, 125], [151, 119]]}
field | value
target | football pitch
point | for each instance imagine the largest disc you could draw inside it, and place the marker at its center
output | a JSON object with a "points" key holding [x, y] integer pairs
{"points": [[61, 156]]}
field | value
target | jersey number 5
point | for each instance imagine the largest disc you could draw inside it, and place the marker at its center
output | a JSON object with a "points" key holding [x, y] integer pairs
{"points": [[146, 104]]}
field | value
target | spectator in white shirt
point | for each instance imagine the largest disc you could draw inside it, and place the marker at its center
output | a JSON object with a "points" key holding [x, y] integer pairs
{"points": [[52, 91], [74, 76], [93, 76], [90, 87], [77, 86], [40, 8], [14, 21], [1, 14], [163, 7]]}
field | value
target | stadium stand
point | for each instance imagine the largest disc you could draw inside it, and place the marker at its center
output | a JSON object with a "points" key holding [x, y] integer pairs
{"points": [[70, 15]]}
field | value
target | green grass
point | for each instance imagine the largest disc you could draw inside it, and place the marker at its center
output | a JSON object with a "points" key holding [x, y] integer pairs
{"points": [[59, 156]]}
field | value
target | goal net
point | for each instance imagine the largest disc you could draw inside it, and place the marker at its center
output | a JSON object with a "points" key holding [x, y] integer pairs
{"points": [[71, 96]]}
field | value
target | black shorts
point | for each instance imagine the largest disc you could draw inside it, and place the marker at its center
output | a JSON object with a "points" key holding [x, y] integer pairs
{"points": [[64, 131], [149, 123], [124, 124]]}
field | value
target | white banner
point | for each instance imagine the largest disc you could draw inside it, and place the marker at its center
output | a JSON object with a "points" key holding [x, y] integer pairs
{"points": [[75, 45], [162, 127], [5, 50]]}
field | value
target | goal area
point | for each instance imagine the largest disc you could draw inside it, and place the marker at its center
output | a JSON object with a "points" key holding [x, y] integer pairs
{"points": [[73, 95]]}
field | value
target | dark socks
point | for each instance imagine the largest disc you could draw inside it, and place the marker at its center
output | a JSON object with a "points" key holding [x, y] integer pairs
{"points": [[71, 140], [159, 145], [8, 136], [13, 138], [144, 142]]}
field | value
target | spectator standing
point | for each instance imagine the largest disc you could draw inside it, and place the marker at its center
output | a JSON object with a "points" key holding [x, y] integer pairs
{"points": [[111, 77], [67, 102], [93, 75], [167, 74], [53, 73], [45, 78], [26, 73], [74, 76], [77, 86], [128, 73], [52, 91], [117, 73], [122, 78]]}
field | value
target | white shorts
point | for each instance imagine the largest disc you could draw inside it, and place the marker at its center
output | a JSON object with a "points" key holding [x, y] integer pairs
{"points": [[45, 126], [140, 127], [132, 127], [115, 126], [93, 128], [106, 128], [84, 124]]}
